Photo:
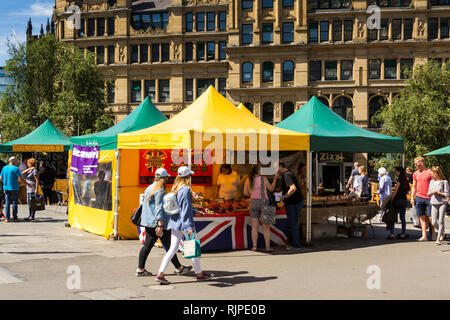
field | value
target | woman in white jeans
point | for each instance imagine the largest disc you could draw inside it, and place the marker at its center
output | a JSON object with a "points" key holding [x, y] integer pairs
{"points": [[439, 192], [181, 224]]}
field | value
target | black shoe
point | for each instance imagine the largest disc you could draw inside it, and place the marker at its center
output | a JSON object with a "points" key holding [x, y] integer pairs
{"points": [[144, 273], [390, 237]]}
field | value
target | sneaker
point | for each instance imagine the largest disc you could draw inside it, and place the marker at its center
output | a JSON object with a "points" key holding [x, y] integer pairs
{"points": [[144, 273], [422, 239], [206, 276], [438, 242], [184, 270], [162, 280]]}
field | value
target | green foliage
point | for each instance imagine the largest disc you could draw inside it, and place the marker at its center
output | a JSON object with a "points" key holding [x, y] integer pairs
{"points": [[52, 80], [421, 115], [394, 160]]}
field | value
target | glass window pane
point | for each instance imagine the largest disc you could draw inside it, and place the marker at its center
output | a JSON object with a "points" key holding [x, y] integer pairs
{"points": [[315, 70], [348, 30], [200, 21], [165, 52], [134, 54], [267, 3], [444, 28], [189, 89], [200, 51], [390, 69], [313, 32], [247, 72], [222, 85], [247, 4], [288, 71], [189, 55], [337, 30], [432, 28], [111, 26], [288, 3], [222, 20], [211, 21], [144, 53], [396, 29], [150, 89], [100, 27], [347, 70], [189, 22], [407, 29], [155, 52], [164, 90], [111, 54], [100, 55], [91, 27], [210, 50], [222, 53], [288, 109], [330, 70], [384, 29], [267, 33], [247, 33], [324, 32], [405, 64], [288, 32], [267, 75], [374, 69], [136, 91]]}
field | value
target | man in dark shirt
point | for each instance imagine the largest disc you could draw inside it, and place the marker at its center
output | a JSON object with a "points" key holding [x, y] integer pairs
{"points": [[355, 172], [293, 202]]}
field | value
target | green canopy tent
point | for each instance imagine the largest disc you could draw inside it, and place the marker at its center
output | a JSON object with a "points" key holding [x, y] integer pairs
{"points": [[329, 132], [45, 138], [144, 116], [439, 152]]}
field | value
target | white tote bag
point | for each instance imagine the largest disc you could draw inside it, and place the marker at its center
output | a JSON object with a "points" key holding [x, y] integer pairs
{"points": [[415, 217]]}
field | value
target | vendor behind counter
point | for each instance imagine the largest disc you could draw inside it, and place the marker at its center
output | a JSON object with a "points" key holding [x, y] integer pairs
{"points": [[228, 182]]}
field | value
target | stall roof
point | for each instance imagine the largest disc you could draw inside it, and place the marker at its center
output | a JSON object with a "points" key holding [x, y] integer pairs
{"points": [[45, 138], [144, 116], [438, 152], [216, 117], [243, 108], [329, 132]]}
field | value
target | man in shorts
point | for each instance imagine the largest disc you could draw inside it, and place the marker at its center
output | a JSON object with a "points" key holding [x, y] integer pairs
{"points": [[419, 197]]}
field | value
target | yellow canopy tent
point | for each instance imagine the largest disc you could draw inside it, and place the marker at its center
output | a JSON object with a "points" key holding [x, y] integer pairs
{"points": [[243, 108]]}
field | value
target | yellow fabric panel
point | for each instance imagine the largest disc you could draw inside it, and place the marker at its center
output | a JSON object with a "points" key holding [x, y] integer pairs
{"points": [[128, 201], [129, 168], [210, 114]]}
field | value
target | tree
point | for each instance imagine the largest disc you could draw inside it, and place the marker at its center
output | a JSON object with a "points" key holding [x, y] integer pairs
{"points": [[421, 115], [52, 80]]}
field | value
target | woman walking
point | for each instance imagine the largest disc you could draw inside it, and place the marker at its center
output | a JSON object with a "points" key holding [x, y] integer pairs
{"points": [[181, 224], [400, 201], [439, 192], [362, 183], [253, 189], [155, 220], [31, 176]]}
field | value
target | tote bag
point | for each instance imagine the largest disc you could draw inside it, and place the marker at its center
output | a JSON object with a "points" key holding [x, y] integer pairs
{"points": [[37, 203], [191, 247]]}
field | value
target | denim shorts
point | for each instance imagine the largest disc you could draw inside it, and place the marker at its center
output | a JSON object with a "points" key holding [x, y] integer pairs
{"points": [[423, 206]]}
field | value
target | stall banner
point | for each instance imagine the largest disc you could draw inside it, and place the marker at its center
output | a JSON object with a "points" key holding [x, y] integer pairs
{"points": [[84, 160], [151, 160]]}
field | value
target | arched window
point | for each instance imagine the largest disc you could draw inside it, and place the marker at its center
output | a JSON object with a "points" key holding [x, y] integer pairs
{"points": [[267, 74], [288, 109], [375, 105], [288, 71], [247, 72], [324, 101], [343, 106], [249, 106], [267, 112]]}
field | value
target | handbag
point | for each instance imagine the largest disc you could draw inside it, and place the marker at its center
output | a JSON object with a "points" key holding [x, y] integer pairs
{"points": [[268, 210], [37, 203], [136, 217], [191, 247]]}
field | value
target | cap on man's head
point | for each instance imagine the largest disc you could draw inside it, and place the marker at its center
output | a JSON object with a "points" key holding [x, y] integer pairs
{"points": [[161, 172], [184, 171], [12, 159], [382, 170]]}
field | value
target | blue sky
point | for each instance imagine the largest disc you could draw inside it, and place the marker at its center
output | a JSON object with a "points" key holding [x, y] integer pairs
{"points": [[16, 13]]}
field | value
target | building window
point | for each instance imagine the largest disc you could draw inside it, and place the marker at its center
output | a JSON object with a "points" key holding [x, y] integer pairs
{"points": [[444, 28], [62, 29], [407, 29], [144, 21], [315, 70], [348, 30], [440, 2], [267, 3], [267, 113], [405, 64], [150, 89], [390, 69], [91, 50], [337, 30], [288, 32], [111, 54], [211, 21], [165, 52], [267, 33], [346, 70], [200, 51], [136, 91], [247, 33], [210, 50], [81, 32], [155, 52], [288, 71], [313, 32], [203, 84], [330, 70], [372, 34], [164, 90], [343, 106], [189, 22], [375, 105], [134, 54], [396, 29], [110, 91], [91, 27], [288, 109], [247, 4], [249, 106], [222, 20], [189, 90], [324, 100], [189, 54], [374, 69], [100, 55], [144, 53], [222, 53], [324, 32], [267, 72], [288, 3], [100, 27], [247, 72], [328, 4], [111, 26], [432, 28], [200, 21], [384, 29], [389, 3], [222, 85]]}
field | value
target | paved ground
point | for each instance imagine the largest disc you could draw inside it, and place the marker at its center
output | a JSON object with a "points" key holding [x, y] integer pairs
{"points": [[37, 261]]}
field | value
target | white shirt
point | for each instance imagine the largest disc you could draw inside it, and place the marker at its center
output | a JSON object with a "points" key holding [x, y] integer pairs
{"points": [[228, 184]]}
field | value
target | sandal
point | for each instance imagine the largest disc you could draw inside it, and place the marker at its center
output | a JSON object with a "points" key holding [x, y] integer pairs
{"points": [[254, 249]]}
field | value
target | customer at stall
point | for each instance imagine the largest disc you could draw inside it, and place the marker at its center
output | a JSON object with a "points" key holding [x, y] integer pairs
{"points": [[419, 196], [385, 186], [362, 183], [293, 201], [252, 190], [182, 224], [10, 177], [351, 184], [47, 180], [228, 182], [31, 176], [155, 220], [400, 201], [439, 192]]}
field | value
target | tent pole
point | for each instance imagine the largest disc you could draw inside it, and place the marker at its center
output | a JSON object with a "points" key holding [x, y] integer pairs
{"points": [[308, 203], [116, 196]]}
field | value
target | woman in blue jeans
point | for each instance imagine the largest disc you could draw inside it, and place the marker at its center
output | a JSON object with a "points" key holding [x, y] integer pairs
{"points": [[400, 201]]}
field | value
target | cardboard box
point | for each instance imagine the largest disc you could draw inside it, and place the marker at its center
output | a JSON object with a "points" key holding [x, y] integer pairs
{"points": [[358, 232]]}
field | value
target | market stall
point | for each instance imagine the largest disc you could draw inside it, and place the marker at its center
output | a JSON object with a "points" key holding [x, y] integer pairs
{"points": [[92, 205], [211, 127], [331, 133]]}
